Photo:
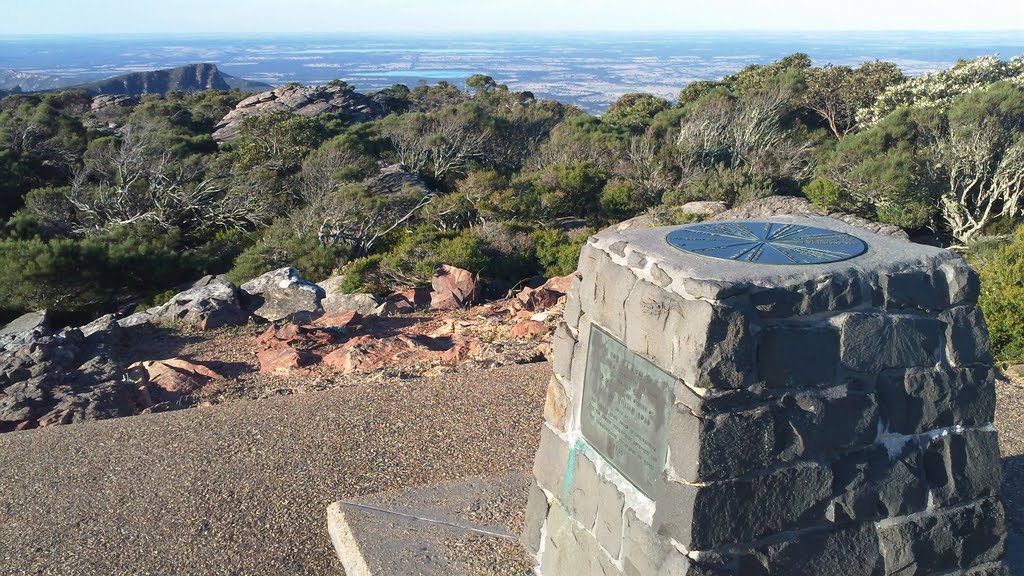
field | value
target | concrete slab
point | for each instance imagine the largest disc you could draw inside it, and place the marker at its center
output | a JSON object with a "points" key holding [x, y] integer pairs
{"points": [[468, 527]]}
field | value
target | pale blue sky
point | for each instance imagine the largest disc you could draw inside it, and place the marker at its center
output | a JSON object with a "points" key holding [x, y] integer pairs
{"points": [[442, 16]]}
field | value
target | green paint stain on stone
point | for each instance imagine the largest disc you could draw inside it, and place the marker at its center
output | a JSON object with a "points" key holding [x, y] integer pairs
{"points": [[570, 469]]}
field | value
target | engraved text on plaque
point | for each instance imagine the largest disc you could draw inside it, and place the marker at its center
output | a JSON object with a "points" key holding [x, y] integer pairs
{"points": [[625, 409]]}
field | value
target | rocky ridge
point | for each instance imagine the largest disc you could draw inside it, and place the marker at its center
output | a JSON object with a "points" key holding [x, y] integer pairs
{"points": [[336, 99]]}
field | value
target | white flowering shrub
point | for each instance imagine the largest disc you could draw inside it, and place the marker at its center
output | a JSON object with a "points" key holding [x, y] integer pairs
{"points": [[937, 89]]}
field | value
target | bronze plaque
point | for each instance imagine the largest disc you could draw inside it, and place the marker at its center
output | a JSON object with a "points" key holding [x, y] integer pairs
{"points": [[627, 401]]}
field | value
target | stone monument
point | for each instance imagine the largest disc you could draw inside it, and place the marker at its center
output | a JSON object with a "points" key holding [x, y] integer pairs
{"points": [[792, 396]]}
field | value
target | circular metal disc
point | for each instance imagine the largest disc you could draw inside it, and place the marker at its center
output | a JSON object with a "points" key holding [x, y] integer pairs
{"points": [[767, 242]]}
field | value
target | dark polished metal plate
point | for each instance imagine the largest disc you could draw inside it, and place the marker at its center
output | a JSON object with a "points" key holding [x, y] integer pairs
{"points": [[767, 242], [627, 401]]}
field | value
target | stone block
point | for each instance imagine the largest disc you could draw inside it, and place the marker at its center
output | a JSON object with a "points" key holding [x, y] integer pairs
{"points": [[707, 515], [913, 288], [563, 347], [847, 551], [569, 549], [798, 356], [921, 399], [825, 294], [660, 277], [721, 446], [963, 466], [944, 540], [636, 260], [643, 551], [572, 311], [820, 424], [556, 405], [608, 528], [796, 426], [581, 490], [962, 283], [872, 484], [605, 287], [967, 339], [536, 514], [870, 343], [552, 461]]}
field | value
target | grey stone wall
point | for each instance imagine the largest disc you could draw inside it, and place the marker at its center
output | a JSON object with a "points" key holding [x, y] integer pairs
{"points": [[829, 419]]}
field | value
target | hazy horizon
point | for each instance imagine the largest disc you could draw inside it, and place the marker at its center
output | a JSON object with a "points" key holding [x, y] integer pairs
{"points": [[589, 69], [455, 16]]}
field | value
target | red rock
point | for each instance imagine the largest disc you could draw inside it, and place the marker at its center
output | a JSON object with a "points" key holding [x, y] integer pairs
{"points": [[560, 284], [524, 314], [275, 337], [447, 329], [282, 360], [453, 288], [399, 306], [418, 297], [457, 353], [538, 298], [169, 380], [343, 359], [529, 329], [341, 319], [56, 417]]}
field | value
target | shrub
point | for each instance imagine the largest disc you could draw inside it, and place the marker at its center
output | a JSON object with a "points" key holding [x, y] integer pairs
{"points": [[363, 275], [734, 186], [281, 246], [825, 194], [558, 254], [1001, 267]]}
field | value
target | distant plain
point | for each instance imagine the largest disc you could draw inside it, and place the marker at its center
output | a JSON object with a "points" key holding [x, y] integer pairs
{"points": [[590, 70]]}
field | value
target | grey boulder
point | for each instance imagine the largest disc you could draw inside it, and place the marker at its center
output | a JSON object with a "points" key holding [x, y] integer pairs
{"points": [[206, 307], [280, 293], [365, 304]]}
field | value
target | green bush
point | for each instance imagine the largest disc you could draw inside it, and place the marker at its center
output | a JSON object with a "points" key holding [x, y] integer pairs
{"points": [[617, 202], [280, 246], [363, 275], [1001, 268], [89, 276], [734, 186], [825, 194], [558, 254]]}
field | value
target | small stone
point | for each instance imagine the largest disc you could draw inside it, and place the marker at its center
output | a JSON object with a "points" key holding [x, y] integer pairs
{"points": [[529, 329], [282, 360]]}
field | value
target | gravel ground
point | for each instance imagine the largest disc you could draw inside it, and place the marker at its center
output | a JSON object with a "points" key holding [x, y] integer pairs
{"points": [[1010, 423], [242, 487]]}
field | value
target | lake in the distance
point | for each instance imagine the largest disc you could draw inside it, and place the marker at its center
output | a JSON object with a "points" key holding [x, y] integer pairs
{"points": [[590, 70]]}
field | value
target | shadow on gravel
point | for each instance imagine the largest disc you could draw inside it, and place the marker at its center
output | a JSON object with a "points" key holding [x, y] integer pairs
{"points": [[147, 342]]}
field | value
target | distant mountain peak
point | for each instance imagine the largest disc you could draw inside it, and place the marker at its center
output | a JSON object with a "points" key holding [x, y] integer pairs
{"points": [[189, 78]]}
